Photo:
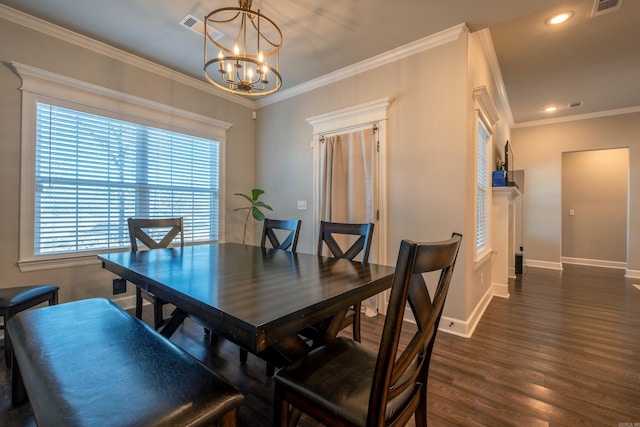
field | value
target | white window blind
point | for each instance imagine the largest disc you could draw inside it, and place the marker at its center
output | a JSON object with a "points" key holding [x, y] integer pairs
{"points": [[94, 172], [483, 195]]}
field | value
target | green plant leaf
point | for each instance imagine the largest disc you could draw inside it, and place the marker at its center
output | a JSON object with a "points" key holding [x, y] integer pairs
{"points": [[245, 196], [257, 214], [256, 193], [253, 208]]}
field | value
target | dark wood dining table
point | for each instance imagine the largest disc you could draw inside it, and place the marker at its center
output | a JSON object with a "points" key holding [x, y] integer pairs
{"points": [[255, 297]]}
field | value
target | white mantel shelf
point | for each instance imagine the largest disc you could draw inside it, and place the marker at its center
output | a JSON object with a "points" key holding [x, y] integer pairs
{"points": [[503, 238], [510, 192]]}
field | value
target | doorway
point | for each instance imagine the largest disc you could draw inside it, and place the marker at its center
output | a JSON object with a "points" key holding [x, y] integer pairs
{"points": [[595, 207]]}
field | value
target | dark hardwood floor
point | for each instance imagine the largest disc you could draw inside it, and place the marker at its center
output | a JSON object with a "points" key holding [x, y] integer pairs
{"points": [[564, 350]]}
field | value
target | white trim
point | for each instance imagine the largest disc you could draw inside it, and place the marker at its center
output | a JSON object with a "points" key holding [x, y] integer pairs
{"points": [[485, 107], [357, 115], [586, 116], [39, 85], [45, 83], [544, 264], [500, 290], [54, 262], [421, 45], [69, 36], [594, 262], [465, 328], [632, 274], [496, 72], [487, 114]]}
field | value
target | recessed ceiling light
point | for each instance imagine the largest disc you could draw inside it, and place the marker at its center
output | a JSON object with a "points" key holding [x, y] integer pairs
{"points": [[559, 18], [550, 109]]}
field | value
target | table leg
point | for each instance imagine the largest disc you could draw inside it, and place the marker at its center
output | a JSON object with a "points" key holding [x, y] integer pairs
{"points": [[172, 323], [329, 328]]}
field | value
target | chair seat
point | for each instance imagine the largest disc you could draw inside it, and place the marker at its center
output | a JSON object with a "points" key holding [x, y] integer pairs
{"points": [[336, 377], [13, 297]]}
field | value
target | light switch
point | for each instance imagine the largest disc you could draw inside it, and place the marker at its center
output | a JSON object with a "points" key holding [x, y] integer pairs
{"points": [[302, 205], [572, 212]]}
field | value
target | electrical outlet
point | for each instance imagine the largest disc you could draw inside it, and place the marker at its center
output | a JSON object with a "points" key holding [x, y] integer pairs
{"points": [[119, 286]]}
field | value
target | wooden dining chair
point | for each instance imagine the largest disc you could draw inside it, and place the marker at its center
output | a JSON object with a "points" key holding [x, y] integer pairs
{"points": [[329, 232], [344, 383], [154, 233], [270, 233]]}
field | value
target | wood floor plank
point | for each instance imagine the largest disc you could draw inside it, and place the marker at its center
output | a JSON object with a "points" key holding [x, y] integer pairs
{"points": [[563, 350]]}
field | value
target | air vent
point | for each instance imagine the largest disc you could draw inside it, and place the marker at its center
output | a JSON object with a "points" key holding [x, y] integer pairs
{"points": [[196, 25], [601, 7], [575, 104]]}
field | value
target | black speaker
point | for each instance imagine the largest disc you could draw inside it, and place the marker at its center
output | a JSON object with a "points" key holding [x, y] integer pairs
{"points": [[518, 263]]}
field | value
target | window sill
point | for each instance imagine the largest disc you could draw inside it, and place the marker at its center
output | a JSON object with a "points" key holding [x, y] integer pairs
{"points": [[481, 258], [69, 260], [50, 264]]}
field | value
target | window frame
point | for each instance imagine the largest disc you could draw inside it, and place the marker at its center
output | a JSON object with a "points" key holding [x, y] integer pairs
{"points": [[486, 116], [50, 88]]}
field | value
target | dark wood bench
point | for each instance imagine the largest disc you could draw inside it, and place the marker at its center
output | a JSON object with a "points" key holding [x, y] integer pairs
{"points": [[90, 363]]}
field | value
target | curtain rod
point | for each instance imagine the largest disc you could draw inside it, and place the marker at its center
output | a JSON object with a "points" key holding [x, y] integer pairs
{"points": [[348, 128]]}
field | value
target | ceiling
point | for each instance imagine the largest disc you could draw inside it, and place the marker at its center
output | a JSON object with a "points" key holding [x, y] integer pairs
{"points": [[592, 61]]}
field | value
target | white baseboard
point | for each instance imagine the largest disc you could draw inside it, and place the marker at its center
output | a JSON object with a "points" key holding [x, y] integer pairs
{"points": [[632, 274], [543, 264], [594, 262], [465, 328], [500, 290]]}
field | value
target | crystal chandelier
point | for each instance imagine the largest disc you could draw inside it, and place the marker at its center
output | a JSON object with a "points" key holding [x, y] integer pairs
{"points": [[244, 46]]}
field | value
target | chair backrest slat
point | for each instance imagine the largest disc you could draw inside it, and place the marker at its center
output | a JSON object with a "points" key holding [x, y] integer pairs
{"points": [[405, 376], [291, 240], [361, 246], [137, 227]]}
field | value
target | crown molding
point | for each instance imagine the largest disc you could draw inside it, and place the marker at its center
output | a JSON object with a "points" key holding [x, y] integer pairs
{"points": [[52, 30], [426, 43], [576, 117], [69, 36], [494, 65]]}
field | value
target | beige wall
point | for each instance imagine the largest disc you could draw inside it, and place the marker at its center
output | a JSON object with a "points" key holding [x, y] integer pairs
{"points": [[539, 150], [51, 54], [594, 205], [430, 149]]}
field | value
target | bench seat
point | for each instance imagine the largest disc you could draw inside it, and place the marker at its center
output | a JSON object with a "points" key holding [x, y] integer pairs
{"points": [[90, 363]]}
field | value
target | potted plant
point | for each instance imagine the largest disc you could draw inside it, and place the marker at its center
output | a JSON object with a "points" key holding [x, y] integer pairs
{"points": [[253, 208]]}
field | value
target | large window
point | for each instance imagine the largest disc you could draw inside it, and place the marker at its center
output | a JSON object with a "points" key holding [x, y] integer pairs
{"points": [[485, 119], [483, 195], [94, 172], [93, 157]]}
